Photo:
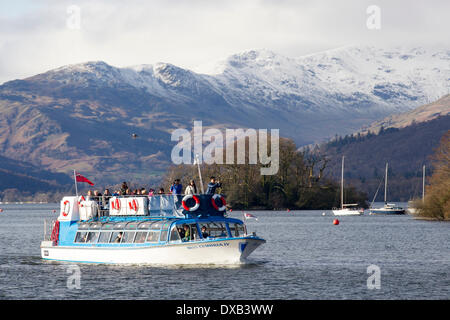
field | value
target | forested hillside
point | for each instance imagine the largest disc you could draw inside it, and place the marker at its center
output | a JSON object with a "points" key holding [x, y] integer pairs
{"points": [[406, 149]]}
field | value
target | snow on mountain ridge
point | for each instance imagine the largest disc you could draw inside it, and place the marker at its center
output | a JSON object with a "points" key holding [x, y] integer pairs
{"points": [[352, 78]]}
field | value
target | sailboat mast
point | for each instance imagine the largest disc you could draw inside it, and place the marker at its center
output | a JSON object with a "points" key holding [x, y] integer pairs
{"points": [[385, 184], [342, 184], [423, 184]]}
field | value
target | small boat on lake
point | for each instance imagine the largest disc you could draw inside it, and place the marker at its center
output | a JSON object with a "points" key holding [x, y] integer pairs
{"points": [[350, 209], [162, 229], [388, 208]]}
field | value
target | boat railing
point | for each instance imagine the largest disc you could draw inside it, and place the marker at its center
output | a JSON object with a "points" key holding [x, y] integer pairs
{"points": [[48, 228], [163, 205]]}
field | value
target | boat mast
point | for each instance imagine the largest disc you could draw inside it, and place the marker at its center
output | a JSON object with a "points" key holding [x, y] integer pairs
{"points": [[199, 172], [423, 184], [342, 184], [385, 184]]}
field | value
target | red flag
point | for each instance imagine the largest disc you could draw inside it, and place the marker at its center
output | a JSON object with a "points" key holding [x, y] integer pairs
{"points": [[80, 178]]}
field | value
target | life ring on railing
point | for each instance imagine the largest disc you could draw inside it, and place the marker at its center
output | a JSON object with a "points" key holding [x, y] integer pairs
{"points": [[55, 233], [134, 206], [115, 204], [79, 201], [65, 212], [187, 197], [213, 201]]}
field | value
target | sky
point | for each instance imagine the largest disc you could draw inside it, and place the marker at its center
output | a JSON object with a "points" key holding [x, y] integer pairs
{"points": [[36, 36]]}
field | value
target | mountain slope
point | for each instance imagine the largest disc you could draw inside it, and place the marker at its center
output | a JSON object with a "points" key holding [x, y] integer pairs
{"points": [[29, 178], [82, 116], [405, 141], [424, 113]]}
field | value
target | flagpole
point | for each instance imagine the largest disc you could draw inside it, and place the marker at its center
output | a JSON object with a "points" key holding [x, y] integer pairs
{"points": [[76, 188], [199, 173]]}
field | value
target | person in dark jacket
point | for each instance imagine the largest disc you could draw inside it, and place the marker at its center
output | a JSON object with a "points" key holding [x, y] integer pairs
{"points": [[124, 188], [213, 185]]}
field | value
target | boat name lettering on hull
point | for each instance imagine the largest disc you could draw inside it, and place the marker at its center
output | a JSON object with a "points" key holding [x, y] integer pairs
{"points": [[224, 244]]}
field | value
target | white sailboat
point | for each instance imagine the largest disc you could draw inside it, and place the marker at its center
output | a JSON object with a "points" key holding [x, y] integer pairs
{"points": [[388, 208], [349, 209]]}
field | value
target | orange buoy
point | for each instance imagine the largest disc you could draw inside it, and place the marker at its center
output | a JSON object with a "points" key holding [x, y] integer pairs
{"points": [[335, 222], [54, 210], [1, 210], [231, 210], [288, 210]]}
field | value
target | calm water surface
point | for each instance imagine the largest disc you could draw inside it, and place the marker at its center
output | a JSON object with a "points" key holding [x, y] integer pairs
{"points": [[305, 257]]}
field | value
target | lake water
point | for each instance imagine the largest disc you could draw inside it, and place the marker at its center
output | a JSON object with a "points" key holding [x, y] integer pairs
{"points": [[305, 257]]}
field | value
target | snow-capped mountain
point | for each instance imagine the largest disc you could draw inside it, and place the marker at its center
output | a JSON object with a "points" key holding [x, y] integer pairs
{"points": [[361, 79], [83, 114]]}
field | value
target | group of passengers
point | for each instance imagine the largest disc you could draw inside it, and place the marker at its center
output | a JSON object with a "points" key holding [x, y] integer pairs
{"points": [[175, 189], [186, 235]]}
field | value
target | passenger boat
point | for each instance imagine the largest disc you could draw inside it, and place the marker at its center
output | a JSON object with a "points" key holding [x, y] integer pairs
{"points": [[148, 230], [388, 208], [350, 209]]}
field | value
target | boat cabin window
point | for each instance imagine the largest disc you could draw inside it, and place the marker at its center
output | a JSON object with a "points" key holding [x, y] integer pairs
{"points": [[175, 233], [164, 231], [128, 236], [116, 237], [189, 234], [92, 237], [81, 237], [215, 229], [153, 236], [104, 237], [140, 237], [237, 229]]}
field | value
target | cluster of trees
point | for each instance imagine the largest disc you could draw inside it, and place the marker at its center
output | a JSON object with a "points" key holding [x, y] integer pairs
{"points": [[299, 184], [437, 193]]}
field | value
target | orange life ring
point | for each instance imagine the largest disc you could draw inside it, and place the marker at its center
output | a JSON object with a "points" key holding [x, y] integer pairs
{"points": [[187, 197], [213, 201], [65, 212]]}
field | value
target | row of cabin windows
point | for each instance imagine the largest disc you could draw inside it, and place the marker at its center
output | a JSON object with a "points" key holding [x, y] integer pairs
{"points": [[119, 236], [213, 230]]}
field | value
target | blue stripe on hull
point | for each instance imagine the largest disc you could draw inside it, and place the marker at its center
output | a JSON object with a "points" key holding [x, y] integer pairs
{"points": [[388, 212]]}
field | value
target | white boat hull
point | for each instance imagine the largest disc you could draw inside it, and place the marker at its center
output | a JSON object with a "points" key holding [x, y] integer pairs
{"points": [[347, 212], [227, 251]]}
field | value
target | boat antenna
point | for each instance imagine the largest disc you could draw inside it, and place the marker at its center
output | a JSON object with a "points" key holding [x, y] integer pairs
{"points": [[199, 172]]}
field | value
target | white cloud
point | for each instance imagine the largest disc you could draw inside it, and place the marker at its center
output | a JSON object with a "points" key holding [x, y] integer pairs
{"points": [[34, 36]]}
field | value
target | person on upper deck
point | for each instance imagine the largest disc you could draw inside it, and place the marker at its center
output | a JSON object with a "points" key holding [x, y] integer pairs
{"points": [[98, 199], [213, 185], [89, 196], [176, 187], [105, 199], [191, 188], [124, 187]]}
